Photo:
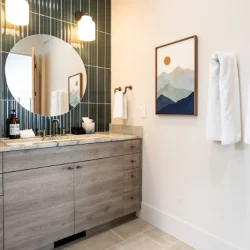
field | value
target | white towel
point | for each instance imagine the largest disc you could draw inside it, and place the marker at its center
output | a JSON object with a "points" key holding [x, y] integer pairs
{"points": [[62, 105], [28, 133], [59, 103], [54, 103], [247, 128], [120, 106], [223, 118]]}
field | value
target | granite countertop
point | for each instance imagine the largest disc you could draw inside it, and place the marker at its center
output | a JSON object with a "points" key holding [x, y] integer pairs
{"points": [[60, 141]]}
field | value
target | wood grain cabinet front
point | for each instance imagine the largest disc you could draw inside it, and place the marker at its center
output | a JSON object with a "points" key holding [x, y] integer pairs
{"points": [[131, 201], [28, 159], [45, 201], [131, 180], [131, 161], [1, 163], [132, 147], [1, 223], [38, 207], [98, 192]]}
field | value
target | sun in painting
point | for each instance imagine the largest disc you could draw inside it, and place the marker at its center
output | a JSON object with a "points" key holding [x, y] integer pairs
{"points": [[167, 60]]}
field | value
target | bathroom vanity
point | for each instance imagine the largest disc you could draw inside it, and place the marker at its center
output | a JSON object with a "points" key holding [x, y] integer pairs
{"points": [[54, 189]]}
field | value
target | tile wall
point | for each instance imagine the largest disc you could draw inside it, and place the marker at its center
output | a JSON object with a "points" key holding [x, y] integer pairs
{"points": [[57, 18]]}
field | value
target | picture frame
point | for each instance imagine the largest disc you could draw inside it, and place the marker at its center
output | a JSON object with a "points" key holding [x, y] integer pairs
{"points": [[176, 77], [75, 85]]}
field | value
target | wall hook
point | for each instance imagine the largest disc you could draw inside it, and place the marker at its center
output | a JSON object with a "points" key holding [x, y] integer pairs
{"points": [[118, 89], [126, 88]]}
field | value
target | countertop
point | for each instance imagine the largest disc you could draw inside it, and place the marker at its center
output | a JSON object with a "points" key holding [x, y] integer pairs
{"points": [[60, 141]]}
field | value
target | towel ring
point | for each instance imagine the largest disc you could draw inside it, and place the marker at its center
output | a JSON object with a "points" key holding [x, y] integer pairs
{"points": [[126, 88], [118, 89]]}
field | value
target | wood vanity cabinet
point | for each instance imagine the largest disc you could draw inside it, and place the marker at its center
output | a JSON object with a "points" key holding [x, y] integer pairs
{"points": [[43, 204]]}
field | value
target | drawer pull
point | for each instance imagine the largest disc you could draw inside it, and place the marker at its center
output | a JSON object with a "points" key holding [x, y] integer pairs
{"points": [[132, 147], [70, 168], [131, 198], [132, 161], [79, 167], [132, 176]]}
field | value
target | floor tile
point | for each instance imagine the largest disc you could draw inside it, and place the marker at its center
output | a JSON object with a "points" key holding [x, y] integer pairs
{"points": [[132, 228], [101, 241], [139, 242], [162, 238], [180, 246]]}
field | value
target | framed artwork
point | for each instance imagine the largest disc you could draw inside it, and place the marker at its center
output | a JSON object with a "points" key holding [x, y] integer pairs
{"points": [[75, 90], [177, 77]]}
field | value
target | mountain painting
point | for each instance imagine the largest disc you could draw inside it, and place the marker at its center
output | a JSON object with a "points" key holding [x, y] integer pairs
{"points": [[176, 81]]}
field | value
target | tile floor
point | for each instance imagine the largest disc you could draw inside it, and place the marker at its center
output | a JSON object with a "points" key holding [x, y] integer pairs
{"points": [[136, 234]]}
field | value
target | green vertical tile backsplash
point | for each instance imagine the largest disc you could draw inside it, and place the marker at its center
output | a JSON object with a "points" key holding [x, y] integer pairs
{"points": [[33, 27], [45, 7], [57, 17], [45, 25], [56, 9]]}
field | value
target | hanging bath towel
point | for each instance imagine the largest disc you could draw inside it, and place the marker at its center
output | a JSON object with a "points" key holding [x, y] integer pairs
{"points": [[223, 118]]}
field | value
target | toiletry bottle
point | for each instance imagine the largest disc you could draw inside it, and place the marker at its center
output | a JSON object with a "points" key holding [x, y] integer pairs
{"points": [[14, 126]]}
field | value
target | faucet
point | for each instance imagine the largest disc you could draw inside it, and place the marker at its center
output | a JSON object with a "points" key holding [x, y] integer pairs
{"points": [[53, 132], [43, 132]]}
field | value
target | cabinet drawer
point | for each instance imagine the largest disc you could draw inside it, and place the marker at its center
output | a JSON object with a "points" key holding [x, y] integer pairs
{"points": [[131, 161], [28, 159], [131, 180], [131, 202], [132, 147]]}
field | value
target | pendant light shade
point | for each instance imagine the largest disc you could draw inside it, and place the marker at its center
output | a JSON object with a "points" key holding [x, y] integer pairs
{"points": [[17, 12], [86, 29]]}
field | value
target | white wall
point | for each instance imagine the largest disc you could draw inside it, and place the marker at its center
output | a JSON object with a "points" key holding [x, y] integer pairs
{"points": [[197, 190]]}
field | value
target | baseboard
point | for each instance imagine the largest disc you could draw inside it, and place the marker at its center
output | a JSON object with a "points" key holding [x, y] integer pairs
{"points": [[195, 237]]}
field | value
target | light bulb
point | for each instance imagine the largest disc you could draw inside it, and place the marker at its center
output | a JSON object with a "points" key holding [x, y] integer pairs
{"points": [[86, 29], [17, 12]]}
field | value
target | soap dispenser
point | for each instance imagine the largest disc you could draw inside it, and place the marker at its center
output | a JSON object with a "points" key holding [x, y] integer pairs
{"points": [[14, 126]]}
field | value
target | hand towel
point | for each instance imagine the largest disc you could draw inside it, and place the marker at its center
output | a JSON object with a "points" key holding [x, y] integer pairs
{"points": [[223, 115], [247, 128], [62, 105], [54, 103], [120, 106]]}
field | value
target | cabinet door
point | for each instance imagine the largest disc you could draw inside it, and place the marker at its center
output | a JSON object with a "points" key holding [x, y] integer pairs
{"points": [[1, 223], [38, 207], [98, 192]]}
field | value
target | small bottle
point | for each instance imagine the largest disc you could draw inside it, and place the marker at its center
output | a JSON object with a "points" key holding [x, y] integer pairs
{"points": [[14, 126]]}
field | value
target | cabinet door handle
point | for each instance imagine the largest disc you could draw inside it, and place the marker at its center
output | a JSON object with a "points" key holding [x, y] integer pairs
{"points": [[70, 168], [79, 167], [132, 176], [131, 198], [132, 161]]}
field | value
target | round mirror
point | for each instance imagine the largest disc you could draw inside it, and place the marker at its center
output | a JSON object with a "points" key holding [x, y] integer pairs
{"points": [[45, 75]]}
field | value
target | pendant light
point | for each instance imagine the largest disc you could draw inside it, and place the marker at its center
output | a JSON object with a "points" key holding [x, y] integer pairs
{"points": [[86, 27], [17, 12]]}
